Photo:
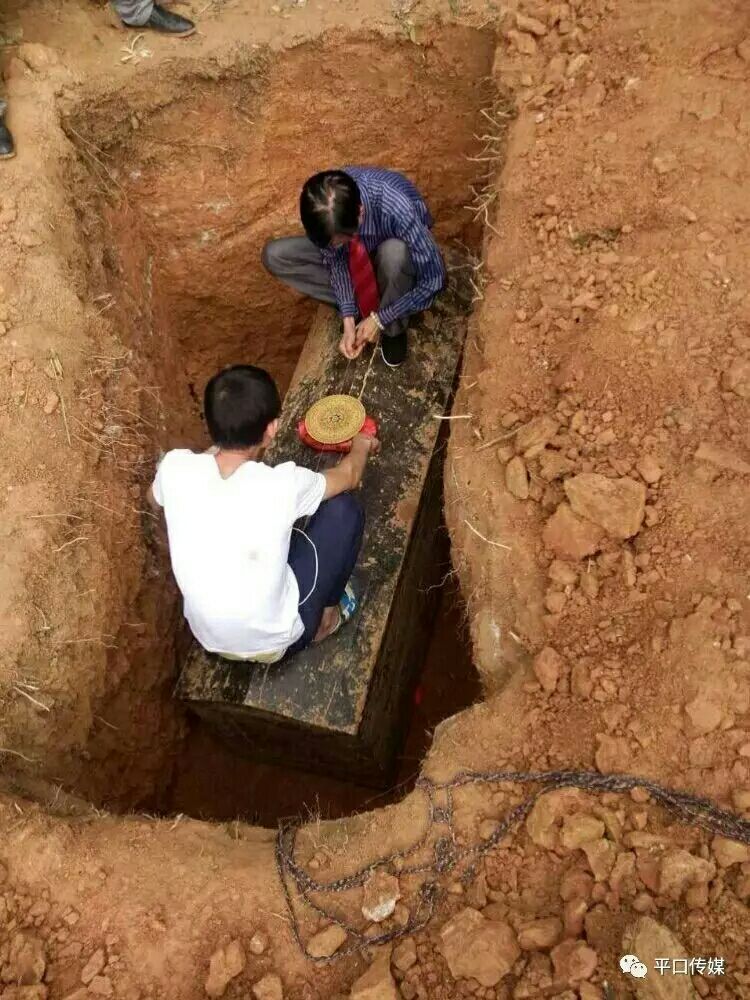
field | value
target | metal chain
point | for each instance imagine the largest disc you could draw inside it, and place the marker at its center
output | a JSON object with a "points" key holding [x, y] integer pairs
{"points": [[448, 857]]}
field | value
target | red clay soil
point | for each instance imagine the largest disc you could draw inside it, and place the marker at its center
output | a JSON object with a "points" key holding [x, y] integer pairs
{"points": [[596, 494]]}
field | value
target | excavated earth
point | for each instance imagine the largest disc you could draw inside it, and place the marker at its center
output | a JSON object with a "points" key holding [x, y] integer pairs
{"points": [[593, 157]]}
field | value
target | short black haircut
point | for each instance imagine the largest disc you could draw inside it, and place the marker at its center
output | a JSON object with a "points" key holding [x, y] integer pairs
{"points": [[239, 403], [329, 206]]}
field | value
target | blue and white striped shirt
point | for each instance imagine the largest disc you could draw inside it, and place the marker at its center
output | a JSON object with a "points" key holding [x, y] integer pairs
{"points": [[394, 209]]}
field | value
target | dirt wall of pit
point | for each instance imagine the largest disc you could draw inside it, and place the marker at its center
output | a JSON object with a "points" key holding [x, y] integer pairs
{"points": [[171, 186]]}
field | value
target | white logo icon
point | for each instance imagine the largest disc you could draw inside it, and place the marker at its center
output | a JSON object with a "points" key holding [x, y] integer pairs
{"points": [[633, 966]]}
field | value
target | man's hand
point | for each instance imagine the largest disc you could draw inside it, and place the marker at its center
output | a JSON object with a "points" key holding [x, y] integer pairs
{"points": [[366, 443], [367, 332], [347, 475], [348, 345]]}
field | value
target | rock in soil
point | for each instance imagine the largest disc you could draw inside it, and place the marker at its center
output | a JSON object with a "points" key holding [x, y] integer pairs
{"points": [[540, 934], [730, 852], [258, 943], [93, 967], [382, 892], [226, 964], [571, 537], [517, 478], [377, 983], [536, 434], [574, 961], [680, 870], [548, 665], [617, 505], [269, 988], [650, 940], [477, 948], [722, 458], [38, 992], [736, 378], [326, 942], [404, 955], [27, 961]]}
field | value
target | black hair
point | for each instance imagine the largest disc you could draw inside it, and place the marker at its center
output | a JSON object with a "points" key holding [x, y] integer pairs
{"points": [[239, 403], [329, 206]]}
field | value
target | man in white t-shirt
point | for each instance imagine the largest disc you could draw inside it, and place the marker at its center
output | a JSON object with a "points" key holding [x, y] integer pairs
{"points": [[254, 586]]}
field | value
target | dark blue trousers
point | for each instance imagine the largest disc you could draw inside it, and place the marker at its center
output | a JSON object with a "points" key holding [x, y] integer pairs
{"points": [[335, 530]]}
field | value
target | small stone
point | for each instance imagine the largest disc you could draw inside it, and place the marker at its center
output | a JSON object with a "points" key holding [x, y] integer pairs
{"points": [[587, 991], [258, 943], [601, 856], [531, 25], [562, 573], [649, 469], [487, 828], [687, 213], [574, 961], [404, 955], [574, 915], [477, 948], [743, 49], [617, 505], [576, 64], [680, 870], [537, 433], [269, 987], [382, 892], [730, 852], [225, 965], [590, 583], [545, 819], [93, 967], [581, 683], [524, 43], [555, 601], [517, 478], [554, 465], [36, 56], [540, 934], [650, 940], [696, 897], [27, 961], [569, 536], [593, 95], [377, 983], [555, 70], [326, 942], [722, 458], [664, 163], [101, 986], [580, 829], [736, 378], [705, 715], [548, 665], [51, 403]]}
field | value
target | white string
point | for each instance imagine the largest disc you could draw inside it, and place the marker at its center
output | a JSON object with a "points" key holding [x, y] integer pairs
{"points": [[315, 577]]}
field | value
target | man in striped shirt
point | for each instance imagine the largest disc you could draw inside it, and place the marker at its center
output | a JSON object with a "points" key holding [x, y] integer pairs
{"points": [[368, 250]]}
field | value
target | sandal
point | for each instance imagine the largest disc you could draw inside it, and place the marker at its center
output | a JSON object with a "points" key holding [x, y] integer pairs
{"points": [[347, 607]]}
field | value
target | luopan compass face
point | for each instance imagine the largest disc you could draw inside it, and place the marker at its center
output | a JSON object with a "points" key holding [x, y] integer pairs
{"points": [[334, 419]]}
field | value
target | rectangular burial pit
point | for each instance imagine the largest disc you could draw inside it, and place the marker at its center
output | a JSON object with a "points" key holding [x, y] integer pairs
{"points": [[341, 707]]}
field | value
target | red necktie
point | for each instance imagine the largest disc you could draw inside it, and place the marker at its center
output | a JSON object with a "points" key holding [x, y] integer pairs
{"points": [[363, 277]]}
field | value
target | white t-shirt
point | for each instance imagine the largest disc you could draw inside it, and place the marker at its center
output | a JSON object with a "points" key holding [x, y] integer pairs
{"points": [[229, 545]]}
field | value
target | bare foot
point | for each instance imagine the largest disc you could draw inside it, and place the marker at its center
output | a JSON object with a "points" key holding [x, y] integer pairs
{"points": [[327, 623]]}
